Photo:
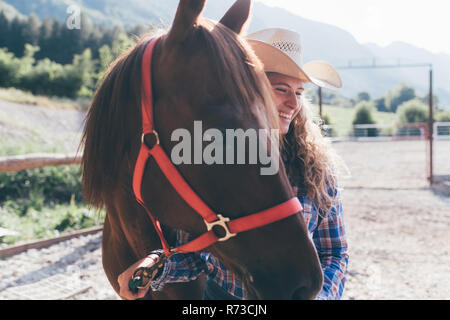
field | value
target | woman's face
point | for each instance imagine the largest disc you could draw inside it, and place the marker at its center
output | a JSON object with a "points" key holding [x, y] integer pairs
{"points": [[287, 93]]}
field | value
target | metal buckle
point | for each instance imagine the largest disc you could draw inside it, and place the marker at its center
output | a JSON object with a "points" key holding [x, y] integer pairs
{"points": [[156, 138], [222, 222]]}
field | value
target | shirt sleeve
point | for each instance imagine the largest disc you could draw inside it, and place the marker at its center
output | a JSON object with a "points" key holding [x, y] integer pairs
{"points": [[181, 267], [332, 248]]}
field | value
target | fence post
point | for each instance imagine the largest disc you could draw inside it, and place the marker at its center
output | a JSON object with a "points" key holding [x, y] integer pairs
{"points": [[430, 128]]}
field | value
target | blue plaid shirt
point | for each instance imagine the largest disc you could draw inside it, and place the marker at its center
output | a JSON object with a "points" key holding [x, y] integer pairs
{"points": [[329, 239]]}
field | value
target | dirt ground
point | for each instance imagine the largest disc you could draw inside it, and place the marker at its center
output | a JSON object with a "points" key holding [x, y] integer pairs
{"points": [[397, 227]]}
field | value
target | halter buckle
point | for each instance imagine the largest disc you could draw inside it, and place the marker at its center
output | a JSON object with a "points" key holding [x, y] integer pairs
{"points": [[222, 222]]}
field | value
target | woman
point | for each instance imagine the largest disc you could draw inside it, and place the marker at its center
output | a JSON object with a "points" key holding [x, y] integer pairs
{"points": [[310, 164]]}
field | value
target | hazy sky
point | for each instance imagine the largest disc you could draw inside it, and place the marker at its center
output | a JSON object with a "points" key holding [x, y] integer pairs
{"points": [[425, 24]]}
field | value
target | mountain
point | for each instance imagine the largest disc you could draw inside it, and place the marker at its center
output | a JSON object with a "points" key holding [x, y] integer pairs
{"points": [[320, 41]]}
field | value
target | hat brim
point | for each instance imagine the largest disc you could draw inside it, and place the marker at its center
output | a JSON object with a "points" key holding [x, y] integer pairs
{"points": [[274, 60], [323, 74]]}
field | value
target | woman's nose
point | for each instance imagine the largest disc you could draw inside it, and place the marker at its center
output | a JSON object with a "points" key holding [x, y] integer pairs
{"points": [[292, 101]]}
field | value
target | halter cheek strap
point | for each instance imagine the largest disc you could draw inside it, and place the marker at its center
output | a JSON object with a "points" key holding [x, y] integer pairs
{"points": [[211, 218]]}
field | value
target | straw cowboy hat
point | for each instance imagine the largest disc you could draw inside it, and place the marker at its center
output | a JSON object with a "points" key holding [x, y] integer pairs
{"points": [[280, 51]]}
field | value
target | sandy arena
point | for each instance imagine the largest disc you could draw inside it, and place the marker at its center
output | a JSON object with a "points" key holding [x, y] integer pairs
{"points": [[398, 228]]}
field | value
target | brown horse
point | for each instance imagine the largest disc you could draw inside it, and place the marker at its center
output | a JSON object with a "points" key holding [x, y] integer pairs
{"points": [[200, 71]]}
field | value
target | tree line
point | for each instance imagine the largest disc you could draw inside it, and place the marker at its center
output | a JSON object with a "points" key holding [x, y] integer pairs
{"points": [[46, 58], [56, 41]]}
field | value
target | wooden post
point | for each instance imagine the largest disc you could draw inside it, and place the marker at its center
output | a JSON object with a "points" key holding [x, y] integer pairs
{"points": [[320, 102], [430, 127], [37, 160]]}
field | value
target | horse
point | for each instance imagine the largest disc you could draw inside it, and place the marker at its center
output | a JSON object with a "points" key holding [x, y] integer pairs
{"points": [[202, 70]]}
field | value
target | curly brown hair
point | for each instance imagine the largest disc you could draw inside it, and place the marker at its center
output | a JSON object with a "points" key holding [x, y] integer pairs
{"points": [[311, 163]]}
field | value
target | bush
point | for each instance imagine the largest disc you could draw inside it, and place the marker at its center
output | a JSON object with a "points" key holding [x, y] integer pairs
{"points": [[41, 203], [413, 111], [443, 116], [9, 69], [53, 79], [326, 120], [364, 115], [398, 96], [363, 96], [36, 187]]}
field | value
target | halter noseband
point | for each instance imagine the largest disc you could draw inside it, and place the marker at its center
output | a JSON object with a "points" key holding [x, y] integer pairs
{"points": [[211, 219]]}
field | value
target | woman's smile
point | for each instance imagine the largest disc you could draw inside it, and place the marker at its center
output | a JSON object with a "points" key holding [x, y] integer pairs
{"points": [[285, 116]]}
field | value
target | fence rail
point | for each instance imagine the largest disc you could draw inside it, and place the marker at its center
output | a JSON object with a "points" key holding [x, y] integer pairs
{"points": [[383, 132], [37, 160], [441, 130]]}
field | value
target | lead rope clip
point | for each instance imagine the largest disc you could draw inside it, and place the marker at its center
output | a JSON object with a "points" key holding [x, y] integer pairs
{"points": [[142, 277]]}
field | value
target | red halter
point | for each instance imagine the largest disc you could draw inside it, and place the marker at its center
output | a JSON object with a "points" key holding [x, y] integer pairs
{"points": [[210, 218]]}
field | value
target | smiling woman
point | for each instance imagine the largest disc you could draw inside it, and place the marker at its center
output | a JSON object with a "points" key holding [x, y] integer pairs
{"points": [[287, 95]]}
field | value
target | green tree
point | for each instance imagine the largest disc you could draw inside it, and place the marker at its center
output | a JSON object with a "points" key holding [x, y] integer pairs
{"points": [[9, 69], [443, 116], [364, 115], [4, 27], [15, 41], [380, 104], [399, 95], [86, 68], [106, 57], [413, 111], [30, 32], [363, 96], [426, 100]]}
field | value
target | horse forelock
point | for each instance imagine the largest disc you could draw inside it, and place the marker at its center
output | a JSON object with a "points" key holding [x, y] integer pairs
{"points": [[239, 72]]}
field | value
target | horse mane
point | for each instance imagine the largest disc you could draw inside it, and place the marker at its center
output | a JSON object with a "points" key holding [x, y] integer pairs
{"points": [[113, 122], [108, 134]]}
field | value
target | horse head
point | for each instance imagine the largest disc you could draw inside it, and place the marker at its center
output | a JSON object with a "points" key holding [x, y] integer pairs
{"points": [[202, 72]]}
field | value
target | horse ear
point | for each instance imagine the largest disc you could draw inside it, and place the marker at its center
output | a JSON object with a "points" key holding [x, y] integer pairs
{"points": [[186, 17], [237, 16]]}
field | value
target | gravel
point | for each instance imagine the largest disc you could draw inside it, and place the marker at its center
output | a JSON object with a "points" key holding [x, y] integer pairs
{"points": [[73, 265]]}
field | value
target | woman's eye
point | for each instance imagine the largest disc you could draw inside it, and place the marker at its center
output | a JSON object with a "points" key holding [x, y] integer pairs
{"points": [[281, 90], [299, 94]]}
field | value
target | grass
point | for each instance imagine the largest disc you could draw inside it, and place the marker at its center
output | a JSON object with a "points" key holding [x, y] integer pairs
{"points": [[20, 96], [343, 117], [46, 221], [19, 138], [44, 202]]}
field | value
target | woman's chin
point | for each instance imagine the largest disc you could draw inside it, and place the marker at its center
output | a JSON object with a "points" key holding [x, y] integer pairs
{"points": [[284, 125]]}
